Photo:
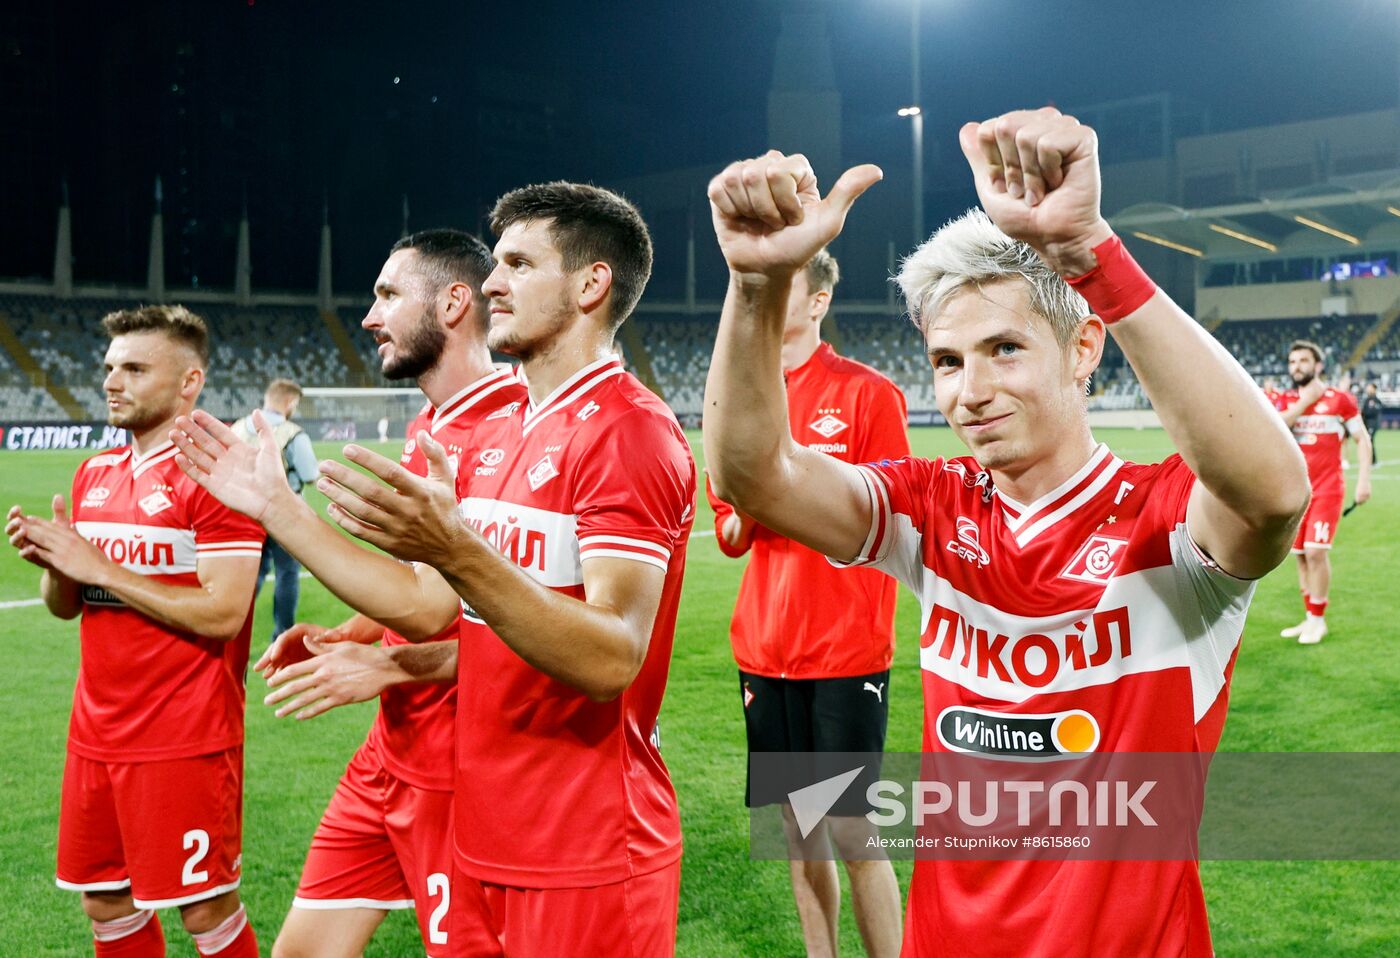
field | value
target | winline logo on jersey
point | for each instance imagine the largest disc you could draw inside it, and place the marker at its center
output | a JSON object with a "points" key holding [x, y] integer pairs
{"points": [[1037, 788]]}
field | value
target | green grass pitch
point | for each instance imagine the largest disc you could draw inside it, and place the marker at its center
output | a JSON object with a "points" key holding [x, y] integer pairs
{"points": [[1339, 696]]}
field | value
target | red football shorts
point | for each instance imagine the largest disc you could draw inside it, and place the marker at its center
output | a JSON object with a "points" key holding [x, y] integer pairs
{"points": [[171, 831], [1319, 526], [635, 918], [382, 843]]}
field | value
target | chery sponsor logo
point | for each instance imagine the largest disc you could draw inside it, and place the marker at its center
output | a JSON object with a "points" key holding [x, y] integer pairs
{"points": [[490, 459], [95, 498]]}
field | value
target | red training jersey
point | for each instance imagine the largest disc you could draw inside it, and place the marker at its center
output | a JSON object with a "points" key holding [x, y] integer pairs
{"points": [[797, 617], [1320, 431], [554, 789], [414, 729], [147, 691], [1094, 600]]}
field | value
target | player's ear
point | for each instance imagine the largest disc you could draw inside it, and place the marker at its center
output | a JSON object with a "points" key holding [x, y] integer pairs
{"points": [[597, 283], [454, 303], [192, 382], [1087, 347]]}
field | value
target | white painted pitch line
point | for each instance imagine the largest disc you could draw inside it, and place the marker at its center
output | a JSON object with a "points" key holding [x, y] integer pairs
{"points": [[20, 603]]}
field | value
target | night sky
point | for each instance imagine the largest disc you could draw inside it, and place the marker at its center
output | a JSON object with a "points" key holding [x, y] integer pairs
{"points": [[292, 104]]}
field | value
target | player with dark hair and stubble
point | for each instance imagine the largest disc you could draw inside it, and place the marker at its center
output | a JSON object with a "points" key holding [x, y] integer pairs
{"points": [[813, 643], [562, 548], [1321, 417], [162, 575], [1025, 553], [382, 842]]}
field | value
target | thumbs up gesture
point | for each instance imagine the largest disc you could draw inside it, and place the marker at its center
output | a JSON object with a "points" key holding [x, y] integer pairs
{"points": [[769, 216]]}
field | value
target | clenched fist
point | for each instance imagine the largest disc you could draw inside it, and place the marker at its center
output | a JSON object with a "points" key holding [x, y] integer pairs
{"points": [[769, 217], [1037, 176]]}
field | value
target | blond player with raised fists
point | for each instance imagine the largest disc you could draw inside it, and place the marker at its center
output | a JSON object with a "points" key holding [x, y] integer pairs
{"points": [[1042, 544]]}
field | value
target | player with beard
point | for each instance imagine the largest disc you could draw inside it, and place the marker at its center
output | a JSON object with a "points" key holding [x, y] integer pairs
{"points": [[382, 843], [563, 548], [1041, 544], [162, 575], [1321, 417]]}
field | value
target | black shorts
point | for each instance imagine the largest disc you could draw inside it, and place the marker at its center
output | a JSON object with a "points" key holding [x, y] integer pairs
{"points": [[846, 714]]}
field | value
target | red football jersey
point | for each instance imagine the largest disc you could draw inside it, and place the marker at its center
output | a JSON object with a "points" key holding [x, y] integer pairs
{"points": [[553, 789], [414, 729], [797, 617], [146, 691], [1092, 600], [1320, 431]]}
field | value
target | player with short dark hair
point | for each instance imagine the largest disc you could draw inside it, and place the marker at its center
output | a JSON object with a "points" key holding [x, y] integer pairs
{"points": [[586, 224], [382, 844], [1321, 417], [162, 575], [562, 549], [813, 643], [1025, 554]]}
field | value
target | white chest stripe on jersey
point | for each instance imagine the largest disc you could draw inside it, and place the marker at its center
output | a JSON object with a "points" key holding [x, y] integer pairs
{"points": [[148, 550], [543, 543], [1319, 425], [1168, 617]]}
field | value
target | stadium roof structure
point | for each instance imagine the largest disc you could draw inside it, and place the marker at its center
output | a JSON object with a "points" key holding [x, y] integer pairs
{"points": [[1325, 219]]}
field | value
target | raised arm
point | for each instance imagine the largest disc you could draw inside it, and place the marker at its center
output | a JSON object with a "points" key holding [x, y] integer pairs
{"points": [[1037, 176], [416, 518], [1357, 430], [413, 601], [771, 220], [1308, 395]]}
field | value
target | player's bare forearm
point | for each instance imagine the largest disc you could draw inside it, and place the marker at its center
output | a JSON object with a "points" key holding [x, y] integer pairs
{"points": [[753, 461], [1363, 460], [747, 437], [425, 661], [375, 585], [360, 628], [62, 596], [595, 645], [214, 609], [1216, 417]]}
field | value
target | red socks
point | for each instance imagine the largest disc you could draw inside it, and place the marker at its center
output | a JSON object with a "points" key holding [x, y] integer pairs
{"points": [[233, 938], [137, 935]]}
